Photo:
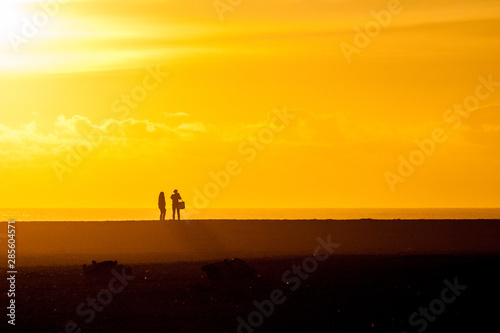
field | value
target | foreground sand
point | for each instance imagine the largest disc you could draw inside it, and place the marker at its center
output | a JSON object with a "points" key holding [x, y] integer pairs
{"points": [[381, 274], [76, 243], [346, 293]]}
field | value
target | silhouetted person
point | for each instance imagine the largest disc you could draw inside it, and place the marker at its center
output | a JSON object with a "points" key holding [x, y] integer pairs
{"points": [[175, 204], [162, 205]]}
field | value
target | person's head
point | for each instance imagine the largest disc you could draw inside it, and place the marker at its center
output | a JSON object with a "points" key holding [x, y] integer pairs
{"points": [[175, 191], [162, 194]]}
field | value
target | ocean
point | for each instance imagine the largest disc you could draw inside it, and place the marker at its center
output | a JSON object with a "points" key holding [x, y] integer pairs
{"points": [[127, 214]]}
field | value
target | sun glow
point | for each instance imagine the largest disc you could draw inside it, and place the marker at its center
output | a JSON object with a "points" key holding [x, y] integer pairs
{"points": [[21, 19], [9, 17]]}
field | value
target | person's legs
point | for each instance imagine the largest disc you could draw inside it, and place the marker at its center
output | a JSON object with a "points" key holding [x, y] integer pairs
{"points": [[178, 213], [173, 213]]}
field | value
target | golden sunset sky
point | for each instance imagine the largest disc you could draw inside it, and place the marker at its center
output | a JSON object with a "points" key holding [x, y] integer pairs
{"points": [[84, 123]]}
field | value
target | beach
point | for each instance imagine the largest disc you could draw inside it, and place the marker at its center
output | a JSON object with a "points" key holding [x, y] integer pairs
{"points": [[310, 276], [75, 243]]}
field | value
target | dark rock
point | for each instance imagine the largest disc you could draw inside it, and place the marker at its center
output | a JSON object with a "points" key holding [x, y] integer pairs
{"points": [[104, 267], [228, 269]]}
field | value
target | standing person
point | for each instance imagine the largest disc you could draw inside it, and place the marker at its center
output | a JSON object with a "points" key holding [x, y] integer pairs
{"points": [[162, 205], [175, 204]]}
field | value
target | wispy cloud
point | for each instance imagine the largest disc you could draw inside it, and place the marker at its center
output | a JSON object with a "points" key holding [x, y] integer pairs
{"points": [[177, 114]]}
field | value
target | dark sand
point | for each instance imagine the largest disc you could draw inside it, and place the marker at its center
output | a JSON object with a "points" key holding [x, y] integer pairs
{"points": [[67, 243], [382, 273]]}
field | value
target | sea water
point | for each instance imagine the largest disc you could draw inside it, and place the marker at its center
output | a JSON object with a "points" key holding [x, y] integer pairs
{"points": [[127, 214]]}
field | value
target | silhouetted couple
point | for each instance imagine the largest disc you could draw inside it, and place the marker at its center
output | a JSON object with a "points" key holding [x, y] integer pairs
{"points": [[175, 205]]}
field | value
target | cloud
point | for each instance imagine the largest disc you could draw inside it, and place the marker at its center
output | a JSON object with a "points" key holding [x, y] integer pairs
{"points": [[29, 143], [177, 114], [131, 138], [482, 128]]}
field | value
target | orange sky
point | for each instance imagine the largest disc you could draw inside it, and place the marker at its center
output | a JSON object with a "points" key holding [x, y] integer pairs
{"points": [[85, 123]]}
